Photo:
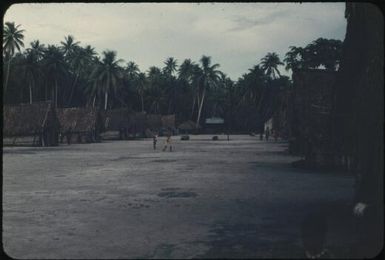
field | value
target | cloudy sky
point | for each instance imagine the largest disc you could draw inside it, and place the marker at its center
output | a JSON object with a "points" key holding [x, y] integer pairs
{"points": [[235, 35]]}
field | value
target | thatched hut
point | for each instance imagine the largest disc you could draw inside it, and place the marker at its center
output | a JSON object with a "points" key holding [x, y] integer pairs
{"points": [[168, 121], [116, 120], [36, 121], [310, 118], [214, 125], [153, 121], [79, 125], [137, 123], [188, 127]]}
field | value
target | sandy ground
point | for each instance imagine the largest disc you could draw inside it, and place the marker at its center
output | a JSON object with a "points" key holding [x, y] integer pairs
{"points": [[122, 199]]}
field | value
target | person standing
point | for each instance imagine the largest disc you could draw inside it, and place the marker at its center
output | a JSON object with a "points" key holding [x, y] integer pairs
{"points": [[168, 143], [154, 141], [267, 133]]}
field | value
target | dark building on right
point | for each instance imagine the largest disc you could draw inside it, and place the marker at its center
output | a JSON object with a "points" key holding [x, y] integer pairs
{"points": [[357, 123], [337, 119]]}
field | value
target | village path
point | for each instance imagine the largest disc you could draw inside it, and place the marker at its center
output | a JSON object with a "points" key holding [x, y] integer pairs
{"points": [[121, 199]]}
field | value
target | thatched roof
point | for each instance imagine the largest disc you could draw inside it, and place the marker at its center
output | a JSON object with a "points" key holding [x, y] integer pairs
{"points": [[153, 121], [168, 121], [115, 119], [77, 119], [188, 125], [28, 119], [137, 121]]}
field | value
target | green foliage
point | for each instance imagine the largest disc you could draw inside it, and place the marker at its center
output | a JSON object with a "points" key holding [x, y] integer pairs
{"points": [[75, 75], [322, 52]]}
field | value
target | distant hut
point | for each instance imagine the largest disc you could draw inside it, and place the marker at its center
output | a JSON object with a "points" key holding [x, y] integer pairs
{"points": [[188, 127], [137, 123], [311, 114], [36, 124], [116, 120], [168, 123], [214, 125], [79, 125]]}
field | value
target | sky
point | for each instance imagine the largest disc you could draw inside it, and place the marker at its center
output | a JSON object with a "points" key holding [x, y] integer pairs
{"points": [[235, 35]]}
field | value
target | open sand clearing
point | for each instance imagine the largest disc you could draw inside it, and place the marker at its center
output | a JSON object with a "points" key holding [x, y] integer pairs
{"points": [[121, 199]]}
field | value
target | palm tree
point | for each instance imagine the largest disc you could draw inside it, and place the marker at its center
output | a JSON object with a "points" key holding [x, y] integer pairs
{"points": [[170, 67], [55, 68], [69, 45], [79, 59], [38, 49], [208, 77], [31, 69], [294, 58], [132, 70], [12, 40], [269, 64], [256, 82], [168, 70], [107, 73], [141, 82], [155, 91], [186, 73]]}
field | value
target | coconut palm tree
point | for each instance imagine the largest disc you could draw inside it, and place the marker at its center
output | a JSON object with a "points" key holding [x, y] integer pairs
{"points": [[12, 40], [79, 59], [141, 82], [132, 70], [107, 73], [171, 66], [208, 76], [55, 69], [256, 82], [38, 49], [186, 73], [69, 45], [31, 69], [168, 70], [269, 64], [155, 91]]}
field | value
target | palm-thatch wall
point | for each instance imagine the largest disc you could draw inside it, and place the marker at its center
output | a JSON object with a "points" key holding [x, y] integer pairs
{"points": [[310, 118], [168, 121], [37, 120], [116, 120], [153, 121], [82, 124], [137, 123]]}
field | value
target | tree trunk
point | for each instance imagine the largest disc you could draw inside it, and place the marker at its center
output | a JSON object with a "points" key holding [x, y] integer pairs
{"points": [[93, 102], [30, 92], [73, 89], [193, 106], [45, 91], [201, 106], [141, 97], [105, 100], [56, 93], [7, 76]]}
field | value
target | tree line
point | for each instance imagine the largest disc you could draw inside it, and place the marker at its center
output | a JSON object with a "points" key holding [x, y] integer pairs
{"points": [[73, 75]]}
